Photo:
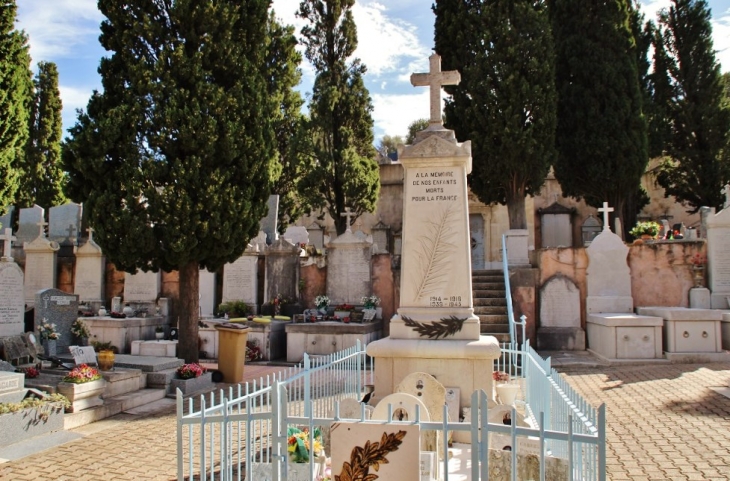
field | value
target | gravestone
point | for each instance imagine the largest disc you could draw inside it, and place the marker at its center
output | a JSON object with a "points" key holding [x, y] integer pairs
{"points": [[90, 272], [65, 223], [40, 264], [297, 235], [608, 275], [6, 220], [316, 235], [380, 238], [60, 308], [555, 225], [282, 270], [269, 223], [206, 290], [433, 395], [83, 355], [28, 220], [12, 307], [142, 286], [560, 323], [258, 243], [718, 258], [349, 276], [241, 280]]}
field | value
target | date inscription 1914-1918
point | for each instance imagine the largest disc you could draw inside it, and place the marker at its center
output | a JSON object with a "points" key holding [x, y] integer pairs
{"points": [[445, 301]]}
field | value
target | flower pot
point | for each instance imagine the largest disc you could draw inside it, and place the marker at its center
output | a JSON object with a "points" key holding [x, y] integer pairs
{"points": [[159, 335], [128, 311], [698, 273], [507, 393], [106, 360], [49, 347], [369, 314], [83, 396]]}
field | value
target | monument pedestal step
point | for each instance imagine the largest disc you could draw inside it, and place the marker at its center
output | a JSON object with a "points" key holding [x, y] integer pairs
{"points": [[113, 405]]}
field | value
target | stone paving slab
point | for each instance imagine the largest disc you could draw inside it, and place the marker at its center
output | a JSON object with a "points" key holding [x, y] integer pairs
{"points": [[665, 422]]}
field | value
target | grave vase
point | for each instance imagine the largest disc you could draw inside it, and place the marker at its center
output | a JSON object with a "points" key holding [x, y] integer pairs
{"points": [[49, 347], [698, 274], [106, 360], [507, 393]]}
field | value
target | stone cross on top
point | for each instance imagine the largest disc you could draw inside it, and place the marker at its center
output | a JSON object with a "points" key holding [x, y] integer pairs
{"points": [[347, 214], [434, 79], [605, 209], [42, 228], [8, 238]]}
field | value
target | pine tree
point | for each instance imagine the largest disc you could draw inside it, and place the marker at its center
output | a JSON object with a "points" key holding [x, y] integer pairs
{"points": [[15, 100], [602, 134], [43, 177], [340, 128], [698, 164], [505, 103], [174, 159]]}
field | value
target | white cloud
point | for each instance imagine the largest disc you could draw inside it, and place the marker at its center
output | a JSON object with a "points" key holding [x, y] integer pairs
{"points": [[394, 113], [62, 28]]}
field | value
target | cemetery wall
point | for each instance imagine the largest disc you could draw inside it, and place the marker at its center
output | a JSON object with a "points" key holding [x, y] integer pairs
{"points": [[661, 272]]}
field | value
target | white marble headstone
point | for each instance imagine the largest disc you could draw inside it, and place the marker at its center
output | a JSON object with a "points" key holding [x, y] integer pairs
{"points": [[142, 286], [28, 224], [64, 223], [12, 308], [348, 269], [40, 266], [718, 258], [559, 303], [297, 235], [240, 280], [608, 275]]}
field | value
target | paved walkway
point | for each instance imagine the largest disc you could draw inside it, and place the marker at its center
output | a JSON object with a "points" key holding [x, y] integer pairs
{"points": [[665, 422]]}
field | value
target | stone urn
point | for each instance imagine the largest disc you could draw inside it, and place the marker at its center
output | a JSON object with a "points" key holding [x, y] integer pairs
{"points": [[507, 393], [84, 395], [128, 311]]}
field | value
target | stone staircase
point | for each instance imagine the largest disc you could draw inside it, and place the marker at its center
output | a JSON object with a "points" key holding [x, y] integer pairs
{"points": [[490, 303]]}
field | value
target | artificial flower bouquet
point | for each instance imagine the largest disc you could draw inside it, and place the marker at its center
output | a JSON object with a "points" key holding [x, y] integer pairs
{"points": [[190, 371], [298, 444], [82, 374]]}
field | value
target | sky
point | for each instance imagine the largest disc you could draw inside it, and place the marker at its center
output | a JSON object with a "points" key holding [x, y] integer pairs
{"points": [[395, 38]]}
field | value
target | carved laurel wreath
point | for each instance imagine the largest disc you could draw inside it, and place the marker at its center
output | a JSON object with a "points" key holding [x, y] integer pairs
{"points": [[447, 326], [370, 455]]}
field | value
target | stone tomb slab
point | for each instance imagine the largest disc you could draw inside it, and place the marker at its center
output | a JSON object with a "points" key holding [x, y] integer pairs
{"points": [[623, 336], [689, 331], [60, 308], [154, 348], [403, 458]]}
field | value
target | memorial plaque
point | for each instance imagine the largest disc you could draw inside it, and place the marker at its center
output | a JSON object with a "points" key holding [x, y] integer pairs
{"points": [[12, 307], [348, 269], [11, 382], [240, 280], [83, 354], [559, 303], [60, 308], [141, 287]]}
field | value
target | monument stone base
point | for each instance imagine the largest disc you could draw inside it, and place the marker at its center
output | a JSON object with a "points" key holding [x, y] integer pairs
{"points": [[561, 339], [463, 364]]}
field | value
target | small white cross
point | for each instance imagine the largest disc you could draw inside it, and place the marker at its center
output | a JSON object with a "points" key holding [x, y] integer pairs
{"points": [[726, 190], [8, 238], [347, 214], [605, 209], [90, 230], [434, 79], [41, 228]]}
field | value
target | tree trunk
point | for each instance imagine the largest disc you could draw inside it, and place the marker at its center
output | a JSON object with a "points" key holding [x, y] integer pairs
{"points": [[516, 210], [189, 312]]}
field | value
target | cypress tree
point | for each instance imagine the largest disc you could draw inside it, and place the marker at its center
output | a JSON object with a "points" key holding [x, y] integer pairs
{"points": [[602, 134], [344, 172], [15, 100], [698, 163], [505, 103], [43, 176], [174, 158]]}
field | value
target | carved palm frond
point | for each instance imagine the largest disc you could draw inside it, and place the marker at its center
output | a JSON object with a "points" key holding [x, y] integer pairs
{"points": [[433, 252], [372, 454], [448, 326]]}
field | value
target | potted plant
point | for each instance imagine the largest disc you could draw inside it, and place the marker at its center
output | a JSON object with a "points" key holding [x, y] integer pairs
{"points": [[49, 336], [370, 307], [159, 332], [191, 378], [322, 303], [343, 310], [83, 386], [645, 230], [233, 309], [253, 350], [80, 331]]}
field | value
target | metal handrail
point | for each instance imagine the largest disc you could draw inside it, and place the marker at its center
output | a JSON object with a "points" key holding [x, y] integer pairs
{"points": [[508, 294]]}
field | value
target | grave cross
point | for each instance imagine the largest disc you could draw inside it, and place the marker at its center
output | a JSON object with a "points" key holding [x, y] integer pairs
{"points": [[8, 238], [90, 230], [605, 209], [71, 231], [41, 228], [434, 79], [347, 214], [726, 190]]}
